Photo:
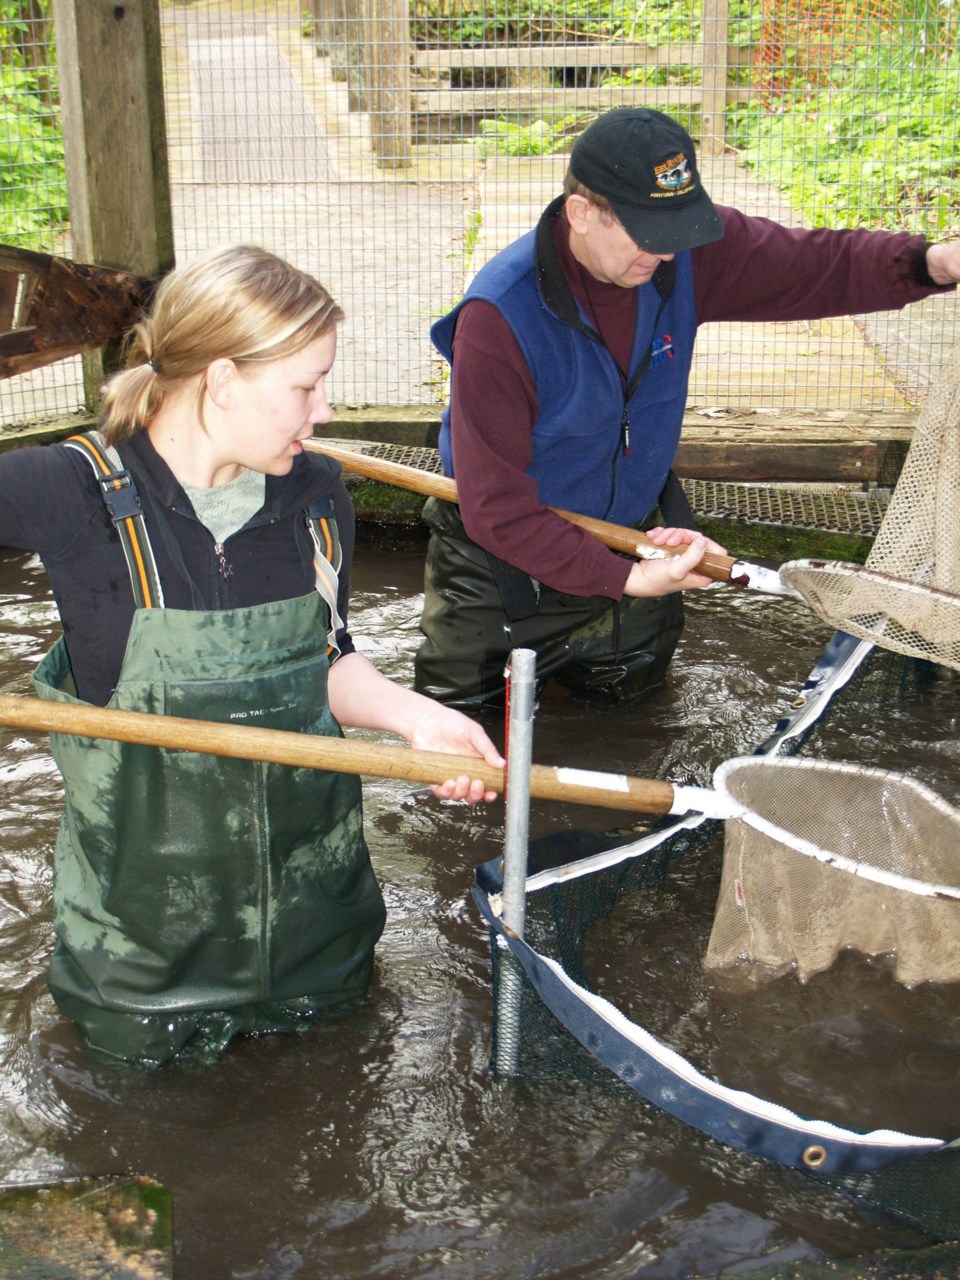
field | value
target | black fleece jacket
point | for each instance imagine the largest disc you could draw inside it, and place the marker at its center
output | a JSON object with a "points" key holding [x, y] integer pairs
{"points": [[50, 503]]}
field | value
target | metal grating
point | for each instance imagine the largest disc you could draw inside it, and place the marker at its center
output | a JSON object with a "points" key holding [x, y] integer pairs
{"points": [[829, 510], [798, 507]]}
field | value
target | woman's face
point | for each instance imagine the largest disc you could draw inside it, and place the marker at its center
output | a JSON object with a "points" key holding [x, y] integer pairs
{"points": [[275, 406]]}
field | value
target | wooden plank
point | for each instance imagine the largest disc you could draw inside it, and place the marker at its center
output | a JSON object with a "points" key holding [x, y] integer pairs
{"points": [[799, 461], [537, 102], [64, 308], [16, 342], [827, 446], [513, 57]]}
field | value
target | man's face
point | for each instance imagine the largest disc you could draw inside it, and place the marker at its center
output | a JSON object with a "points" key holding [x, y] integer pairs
{"points": [[600, 244]]}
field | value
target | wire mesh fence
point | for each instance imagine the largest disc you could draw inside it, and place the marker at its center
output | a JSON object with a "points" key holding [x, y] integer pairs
{"points": [[33, 186], [391, 148]]}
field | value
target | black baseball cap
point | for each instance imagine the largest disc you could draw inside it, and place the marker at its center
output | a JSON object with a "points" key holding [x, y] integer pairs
{"points": [[645, 164]]}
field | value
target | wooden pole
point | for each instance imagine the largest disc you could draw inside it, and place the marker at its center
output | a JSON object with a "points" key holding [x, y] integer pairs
{"points": [[338, 755], [616, 536], [714, 51], [389, 53], [321, 20], [111, 85], [345, 23]]}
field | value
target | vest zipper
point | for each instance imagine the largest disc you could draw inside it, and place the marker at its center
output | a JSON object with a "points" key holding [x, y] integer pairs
{"points": [[623, 448]]}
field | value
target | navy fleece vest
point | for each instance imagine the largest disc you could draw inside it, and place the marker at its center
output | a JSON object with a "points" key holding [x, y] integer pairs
{"points": [[579, 461]]}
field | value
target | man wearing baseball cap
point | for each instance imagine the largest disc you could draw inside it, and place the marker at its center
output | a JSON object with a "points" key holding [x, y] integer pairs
{"points": [[570, 356]]}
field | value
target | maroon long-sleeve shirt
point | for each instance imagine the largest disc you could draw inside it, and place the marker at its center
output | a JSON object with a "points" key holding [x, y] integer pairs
{"points": [[759, 270]]}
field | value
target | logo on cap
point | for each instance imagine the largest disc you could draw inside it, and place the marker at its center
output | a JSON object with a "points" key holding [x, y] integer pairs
{"points": [[673, 176]]}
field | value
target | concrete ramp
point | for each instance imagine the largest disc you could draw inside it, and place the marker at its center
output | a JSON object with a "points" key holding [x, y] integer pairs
{"points": [[254, 121]]}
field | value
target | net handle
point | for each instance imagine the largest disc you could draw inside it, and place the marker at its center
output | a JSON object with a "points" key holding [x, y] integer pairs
{"points": [[341, 755], [714, 565]]}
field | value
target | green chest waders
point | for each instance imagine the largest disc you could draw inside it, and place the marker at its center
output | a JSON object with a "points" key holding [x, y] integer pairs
{"points": [[196, 896]]}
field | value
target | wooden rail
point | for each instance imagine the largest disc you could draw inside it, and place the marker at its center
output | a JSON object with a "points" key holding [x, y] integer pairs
{"points": [[527, 84], [802, 446]]}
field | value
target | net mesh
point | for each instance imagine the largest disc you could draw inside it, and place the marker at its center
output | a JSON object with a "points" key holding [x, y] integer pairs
{"points": [[907, 617], [905, 596], [780, 909]]}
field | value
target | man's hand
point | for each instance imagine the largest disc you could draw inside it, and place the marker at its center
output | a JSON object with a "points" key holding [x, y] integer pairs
{"points": [[943, 262], [650, 577]]}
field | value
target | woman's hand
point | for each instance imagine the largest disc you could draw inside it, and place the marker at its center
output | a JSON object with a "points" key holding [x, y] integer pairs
{"points": [[364, 698], [441, 728], [661, 577]]}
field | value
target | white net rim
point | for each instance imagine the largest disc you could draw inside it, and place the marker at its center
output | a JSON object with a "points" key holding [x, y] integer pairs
{"points": [[895, 613], [830, 857], [863, 572]]}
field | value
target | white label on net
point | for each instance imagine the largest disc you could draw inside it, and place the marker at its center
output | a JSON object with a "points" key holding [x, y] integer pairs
{"points": [[588, 778]]}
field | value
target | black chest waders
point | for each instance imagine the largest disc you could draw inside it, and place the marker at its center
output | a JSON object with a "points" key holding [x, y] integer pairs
{"points": [[197, 897], [477, 609]]}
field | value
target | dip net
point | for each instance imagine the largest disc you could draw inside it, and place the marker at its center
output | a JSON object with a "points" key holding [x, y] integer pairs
{"points": [[844, 857], [868, 869]]}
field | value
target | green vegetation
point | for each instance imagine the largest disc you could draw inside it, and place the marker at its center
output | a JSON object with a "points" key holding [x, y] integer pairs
{"points": [[477, 22], [504, 138], [850, 107], [33, 189], [776, 543], [875, 145]]}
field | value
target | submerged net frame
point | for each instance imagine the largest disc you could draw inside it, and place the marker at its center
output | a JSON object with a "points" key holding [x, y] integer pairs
{"points": [[562, 1028]]}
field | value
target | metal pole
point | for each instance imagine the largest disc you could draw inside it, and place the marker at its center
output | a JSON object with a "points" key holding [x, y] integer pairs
{"points": [[522, 676]]}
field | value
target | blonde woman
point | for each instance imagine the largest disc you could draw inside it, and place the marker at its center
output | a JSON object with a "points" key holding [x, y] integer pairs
{"points": [[200, 563]]}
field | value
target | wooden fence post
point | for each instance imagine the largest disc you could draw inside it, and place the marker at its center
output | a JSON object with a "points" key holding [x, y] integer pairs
{"points": [[715, 36], [389, 54], [111, 86], [321, 20], [345, 33]]}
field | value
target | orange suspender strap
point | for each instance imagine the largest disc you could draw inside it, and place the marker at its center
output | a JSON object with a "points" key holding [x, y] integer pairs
{"points": [[123, 502]]}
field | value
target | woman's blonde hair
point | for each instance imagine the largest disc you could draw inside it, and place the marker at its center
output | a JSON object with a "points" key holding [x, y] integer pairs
{"points": [[240, 303]]}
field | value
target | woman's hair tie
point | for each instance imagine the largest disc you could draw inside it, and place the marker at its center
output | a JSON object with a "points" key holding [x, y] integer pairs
{"points": [[154, 366]]}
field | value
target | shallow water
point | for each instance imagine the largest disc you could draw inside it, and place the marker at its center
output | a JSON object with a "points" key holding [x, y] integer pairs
{"points": [[379, 1145]]}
